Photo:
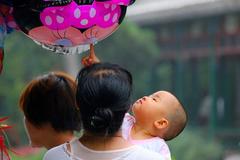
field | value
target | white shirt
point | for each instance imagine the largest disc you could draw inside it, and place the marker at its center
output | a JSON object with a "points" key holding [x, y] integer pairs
{"points": [[155, 144], [81, 152]]}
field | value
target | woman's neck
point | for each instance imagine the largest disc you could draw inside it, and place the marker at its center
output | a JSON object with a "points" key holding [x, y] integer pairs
{"points": [[59, 138], [102, 143]]}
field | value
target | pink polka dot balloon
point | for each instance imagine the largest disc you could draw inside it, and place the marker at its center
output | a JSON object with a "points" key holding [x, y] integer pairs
{"points": [[64, 25]]}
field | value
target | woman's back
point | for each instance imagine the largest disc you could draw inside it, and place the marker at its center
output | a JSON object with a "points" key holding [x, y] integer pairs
{"points": [[81, 152]]}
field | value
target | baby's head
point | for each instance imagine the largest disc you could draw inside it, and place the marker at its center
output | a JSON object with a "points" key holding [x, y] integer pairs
{"points": [[161, 114]]}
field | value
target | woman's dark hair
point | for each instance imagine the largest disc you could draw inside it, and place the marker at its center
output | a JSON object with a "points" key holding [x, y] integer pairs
{"points": [[51, 99], [103, 96]]}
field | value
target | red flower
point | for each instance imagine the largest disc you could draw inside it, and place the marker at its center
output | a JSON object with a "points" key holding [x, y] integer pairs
{"points": [[4, 126], [3, 148]]}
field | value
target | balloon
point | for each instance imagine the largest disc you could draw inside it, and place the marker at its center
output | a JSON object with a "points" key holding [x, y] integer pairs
{"points": [[68, 24], [6, 26], [3, 32], [7, 2], [45, 36]]}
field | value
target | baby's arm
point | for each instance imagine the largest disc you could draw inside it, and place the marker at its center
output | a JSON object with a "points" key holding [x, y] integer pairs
{"points": [[91, 58]]}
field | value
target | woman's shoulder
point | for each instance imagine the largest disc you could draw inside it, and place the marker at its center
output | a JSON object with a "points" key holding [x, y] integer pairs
{"points": [[58, 152]]}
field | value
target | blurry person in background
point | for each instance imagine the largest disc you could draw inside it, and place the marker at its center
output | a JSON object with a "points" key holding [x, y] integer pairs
{"points": [[50, 112], [204, 111]]}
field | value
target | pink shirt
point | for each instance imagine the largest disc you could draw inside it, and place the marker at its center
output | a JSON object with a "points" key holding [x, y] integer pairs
{"points": [[155, 144]]}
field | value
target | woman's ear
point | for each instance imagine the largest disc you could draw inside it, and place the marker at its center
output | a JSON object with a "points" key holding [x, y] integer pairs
{"points": [[161, 123]]}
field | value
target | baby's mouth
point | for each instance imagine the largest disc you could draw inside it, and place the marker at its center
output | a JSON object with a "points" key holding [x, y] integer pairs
{"points": [[139, 101]]}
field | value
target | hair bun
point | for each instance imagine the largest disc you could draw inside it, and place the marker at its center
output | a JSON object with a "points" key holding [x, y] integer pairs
{"points": [[101, 118]]}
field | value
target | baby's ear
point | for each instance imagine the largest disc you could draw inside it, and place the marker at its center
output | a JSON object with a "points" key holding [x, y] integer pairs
{"points": [[161, 123]]}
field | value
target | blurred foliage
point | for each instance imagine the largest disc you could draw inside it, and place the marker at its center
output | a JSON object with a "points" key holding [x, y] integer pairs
{"points": [[36, 156], [134, 49], [191, 145], [23, 61]]}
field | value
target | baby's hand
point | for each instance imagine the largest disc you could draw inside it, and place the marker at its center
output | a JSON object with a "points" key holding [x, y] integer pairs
{"points": [[87, 61], [91, 58]]}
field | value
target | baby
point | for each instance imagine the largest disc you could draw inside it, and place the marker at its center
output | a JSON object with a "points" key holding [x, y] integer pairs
{"points": [[157, 118]]}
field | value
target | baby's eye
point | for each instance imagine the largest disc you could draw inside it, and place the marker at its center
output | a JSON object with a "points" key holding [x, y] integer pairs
{"points": [[154, 99]]}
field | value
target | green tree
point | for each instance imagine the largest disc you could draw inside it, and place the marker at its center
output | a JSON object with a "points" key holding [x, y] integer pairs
{"points": [[135, 49], [23, 61], [192, 145]]}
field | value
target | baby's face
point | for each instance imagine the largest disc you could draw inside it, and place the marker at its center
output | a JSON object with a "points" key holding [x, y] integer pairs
{"points": [[154, 106]]}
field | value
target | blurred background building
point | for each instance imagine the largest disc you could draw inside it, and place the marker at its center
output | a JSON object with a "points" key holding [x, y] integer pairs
{"points": [[200, 44]]}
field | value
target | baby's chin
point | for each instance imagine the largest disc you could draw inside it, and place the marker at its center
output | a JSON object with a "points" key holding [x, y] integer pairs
{"points": [[135, 107]]}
